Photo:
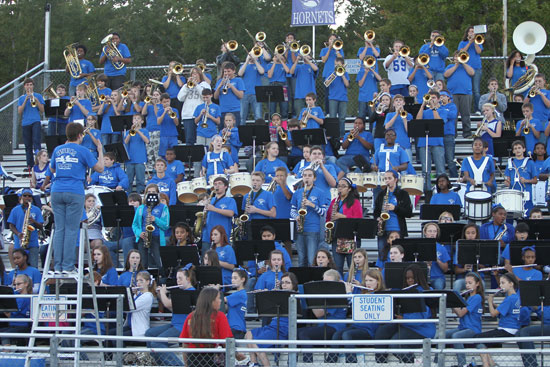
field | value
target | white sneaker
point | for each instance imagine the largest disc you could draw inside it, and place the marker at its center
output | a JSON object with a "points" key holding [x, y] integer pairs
{"points": [[244, 362]]}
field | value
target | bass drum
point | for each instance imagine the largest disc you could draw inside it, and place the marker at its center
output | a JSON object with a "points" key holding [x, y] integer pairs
{"points": [[240, 183], [412, 184], [512, 201], [185, 192], [477, 205], [96, 190]]}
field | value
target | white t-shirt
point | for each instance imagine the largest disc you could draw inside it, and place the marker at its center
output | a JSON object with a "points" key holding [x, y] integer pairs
{"points": [[398, 70], [191, 98], [141, 316]]}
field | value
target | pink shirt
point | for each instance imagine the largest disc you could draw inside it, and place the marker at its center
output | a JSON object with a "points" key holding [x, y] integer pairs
{"points": [[356, 211]]}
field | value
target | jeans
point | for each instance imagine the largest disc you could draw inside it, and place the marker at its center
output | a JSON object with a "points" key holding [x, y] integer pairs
{"points": [[396, 332], [127, 244], [463, 105], [291, 81], [307, 244], [362, 109], [437, 153], [110, 139], [56, 128], [72, 90], [32, 137], [449, 145], [164, 331], [438, 283], [402, 89], [476, 81], [339, 259], [33, 256], [381, 242], [115, 82], [237, 115], [283, 109], [338, 108], [299, 104], [251, 300], [190, 129], [349, 333], [460, 334], [249, 100], [151, 253], [347, 161], [438, 75], [459, 285], [136, 170], [67, 209], [530, 360], [314, 333], [113, 250]]}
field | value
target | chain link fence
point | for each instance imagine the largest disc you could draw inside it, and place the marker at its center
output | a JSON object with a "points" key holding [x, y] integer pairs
{"points": [[492, 67]]}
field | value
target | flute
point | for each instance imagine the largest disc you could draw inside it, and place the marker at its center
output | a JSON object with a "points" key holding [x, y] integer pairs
{"points": [[409, 287], [361, 287], [171, 287], [504, 268], [463, 293]]}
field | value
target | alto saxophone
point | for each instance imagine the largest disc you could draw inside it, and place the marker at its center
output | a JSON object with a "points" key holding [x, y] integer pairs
{"points": [[329, 226], [240, 231], [200, 218], [384, 215], [501, 234], [302, 212], [149, 228], [27, 229]]}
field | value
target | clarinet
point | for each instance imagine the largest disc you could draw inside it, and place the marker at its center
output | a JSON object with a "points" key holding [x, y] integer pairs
{"points": [[134, 276], [14, 276]]}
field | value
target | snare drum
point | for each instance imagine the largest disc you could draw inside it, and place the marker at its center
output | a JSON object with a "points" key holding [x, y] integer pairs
{"points": [[96, 190], [198, 185], [371, 180], [358, 179], [412, 184], [477, 205], [185, 192], [512, 201], [240, 183], [213, 177]]}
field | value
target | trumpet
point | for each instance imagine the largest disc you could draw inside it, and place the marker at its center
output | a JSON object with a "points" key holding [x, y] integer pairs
{"points": [[190, 84], [477, 134], [367, 36], [369, 62], [423, 59], [403, 114], [225, 135], [404, 51], [260, 36], [282, 133], [147, 99], [305, 50], [225, 87], [463, 57], [172, 115], [373, 102], [438, 41], [305, 117], [124, 93], [33, 101], [204, 123], [70, 105], [526, 128], [479, 39], [102, 98], [280, 49], [352, 135], [533, 91], [430, 83], [231, 45], [338, 44], [339, 70], [176, 69], [381, 108], [426, 98]]}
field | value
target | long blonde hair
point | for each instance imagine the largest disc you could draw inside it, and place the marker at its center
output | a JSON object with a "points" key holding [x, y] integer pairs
{"points": [[353, 269]]}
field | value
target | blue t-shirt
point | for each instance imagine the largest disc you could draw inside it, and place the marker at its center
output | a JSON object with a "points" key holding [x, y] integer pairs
{"points": [[429, 114], [236, 309], [70, 162], [87, 68], [137, 149], [530, 139], [518, 72], [421, 81], [311, 123], [427, 330], [235, 144], [106, 127], [252, 268], [320, 180], [356, 148], [443, 256], [32, 272], [226, 254], [281, 203], [151, 120], [17, 217], [305, 81], [212, 129], [369, 87], [472, 319], [213, 219], [329, 64], [452, 113], [230, 102], [475, 58], [216, 163], [88, 143], [261, 200], [438, 54], [174, 169], [449, 198], [110, 277], [509, 311], [460, 82], [337, 90], [489, 231], [109, 68], [267, 280], [166, 185], [105, 91], [23, 312], [321, 200], [251, 78], [268, 168], [402, 137], [386, 157], [173, 87], [30, 114], [527, 274], [167, 127], [279, 73], [76, 113]]}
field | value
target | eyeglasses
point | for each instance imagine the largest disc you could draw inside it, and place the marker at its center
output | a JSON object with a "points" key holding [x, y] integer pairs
{"points": [[343, 186], [446, 218]]}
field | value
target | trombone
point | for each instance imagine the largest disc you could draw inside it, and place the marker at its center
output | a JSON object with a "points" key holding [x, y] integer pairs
{"points": [[367, 36], [294, 46], [463, 57], [305, 50], [423, 59], [256, 50], [369, 62], [533, 91], [479, 39], [231, 45], [438, 41], [338, 71], [172, 115], [280, 49], [404, 51], [338, 44], [373, 102], [259, 37]]}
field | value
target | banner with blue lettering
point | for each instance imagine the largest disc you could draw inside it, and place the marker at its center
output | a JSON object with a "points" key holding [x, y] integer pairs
{"points": [[312, 12]]}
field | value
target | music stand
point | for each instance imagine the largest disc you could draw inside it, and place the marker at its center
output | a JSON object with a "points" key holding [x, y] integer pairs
{"points": [[534, 293], [380, 131], [426, 128], [513, 111], [394, 273], [208, 275], [356, 228], [121, 123], [55, 107], [542, 249], [332, 127], [502, 146], [308, 137], [176, 257], [53, 141], [423, 249], [7, 304], [412, 108], [113, 198], [121, 154], [281, 227], [117, 216], [184, 213], [190, 154], [254, 135], [406, 305], [537, 227], [307, 274], [269, 93], [183, 302], [454, 299], [253, 250], [477, 252], [450, 232], [433, 211]]}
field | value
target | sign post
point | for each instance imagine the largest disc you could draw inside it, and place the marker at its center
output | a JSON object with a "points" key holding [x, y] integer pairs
{"points": [[312, 13]]}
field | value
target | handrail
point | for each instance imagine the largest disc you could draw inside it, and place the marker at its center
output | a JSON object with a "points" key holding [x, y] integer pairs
{"points": [[22, 75]]}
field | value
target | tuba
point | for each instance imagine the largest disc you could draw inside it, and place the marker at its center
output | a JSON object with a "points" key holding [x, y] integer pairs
{"points": [[111, 51], [49, 92], [71, 58]]}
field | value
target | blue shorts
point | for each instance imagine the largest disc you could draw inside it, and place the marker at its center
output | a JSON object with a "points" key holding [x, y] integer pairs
{"points": [[167, 142]]}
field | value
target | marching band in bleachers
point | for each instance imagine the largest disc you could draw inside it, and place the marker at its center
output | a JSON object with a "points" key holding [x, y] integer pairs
{"points": [[312, 187]]}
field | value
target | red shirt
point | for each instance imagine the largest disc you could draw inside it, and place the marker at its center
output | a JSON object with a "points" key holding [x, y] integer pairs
{"points": [[356, 210], [220, 328]]}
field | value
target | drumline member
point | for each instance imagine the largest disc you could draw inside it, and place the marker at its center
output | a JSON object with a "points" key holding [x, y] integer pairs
{"points": [[270, 163], [435, 148], [390, 155], [478, 169], [495, 98], [164, 183], [86, 67], [219, 211], [30, 119], [234, 91], [251, 72], [315, 201], [397, 204], [541, 100], [534, 126], [216, 161], [356, 142], [260, 202], [438, 55], [115, 78], [113, 176], [444, 193], [68, 193], [521, 174], [459, 84]]}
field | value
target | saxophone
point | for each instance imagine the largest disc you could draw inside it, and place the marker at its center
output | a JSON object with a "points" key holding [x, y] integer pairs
{"points": [[27, 229], [240, 230], [149, 228], [329, 226], [302, 212], [501, 234], [200, 219], [384, 215]]}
